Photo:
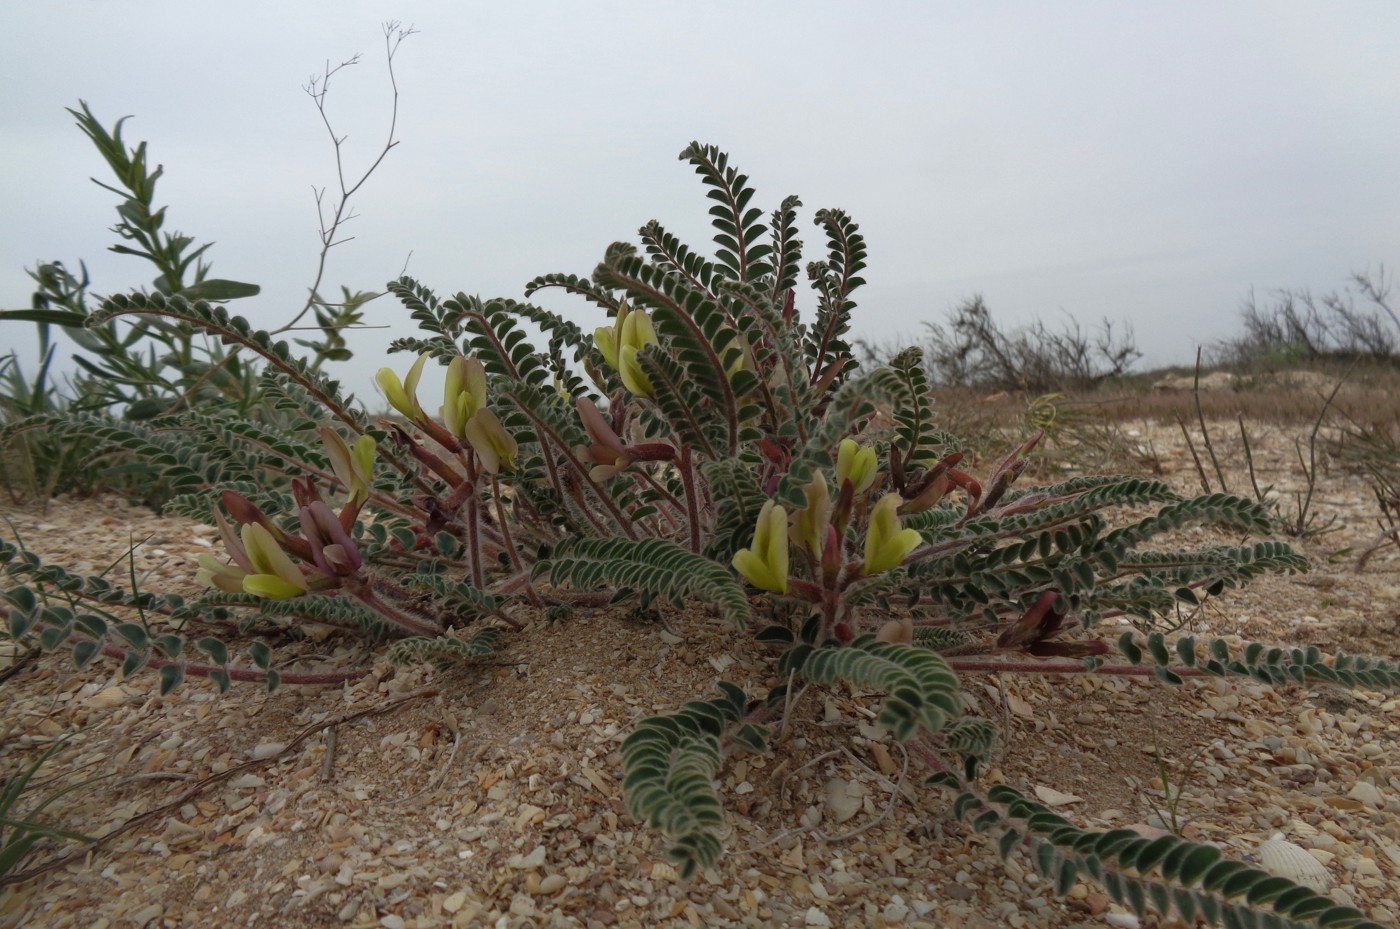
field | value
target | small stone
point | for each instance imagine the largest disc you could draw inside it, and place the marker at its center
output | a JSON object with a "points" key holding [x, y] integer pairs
{"points": [[525, 862], [454, 902], [816, 917], [885, 763], [247, 781], [1366, 867], [147, 914], [896, 911], [106, 699], [553, 883], [391, 921], [1052, 797], [265, 750], [1368, 794]]}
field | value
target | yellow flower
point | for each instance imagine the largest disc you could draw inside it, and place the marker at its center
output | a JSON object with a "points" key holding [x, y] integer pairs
{"points": [[633, 377], [274, 575], [856, 462], [765, 565], [493, 445], [403, 396], [607, 338], [214, 573], [464, 394], [736, 356], [630, 332], [886, 543], [809, 523], [353, 467]]}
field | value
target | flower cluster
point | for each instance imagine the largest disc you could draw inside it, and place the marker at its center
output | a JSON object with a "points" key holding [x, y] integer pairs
{"points": [[465, 416], [630, 332], [262, 552], [820, 528]]}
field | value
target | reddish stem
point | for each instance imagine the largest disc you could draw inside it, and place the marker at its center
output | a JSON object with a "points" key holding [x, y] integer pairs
{"points": [[1064, 667], [691, 504]]}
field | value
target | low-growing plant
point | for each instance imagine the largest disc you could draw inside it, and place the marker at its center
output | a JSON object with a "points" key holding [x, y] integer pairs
{"points": [[709, 442], [1084, 439]]}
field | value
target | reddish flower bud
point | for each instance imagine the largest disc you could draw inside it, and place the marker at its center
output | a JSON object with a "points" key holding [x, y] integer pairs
{"points": [[332, 550]]}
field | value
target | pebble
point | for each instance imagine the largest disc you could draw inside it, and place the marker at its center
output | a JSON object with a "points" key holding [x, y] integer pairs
{"points": [[525, 862], [1366, 867], [1368, 794], [391, 921], [553, 883], [146, 914], [1052, 797], [108, 698], [815, 917]]}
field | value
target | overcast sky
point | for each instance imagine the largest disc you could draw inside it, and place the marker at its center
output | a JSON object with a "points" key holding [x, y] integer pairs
{"points": [[1145, 162]]}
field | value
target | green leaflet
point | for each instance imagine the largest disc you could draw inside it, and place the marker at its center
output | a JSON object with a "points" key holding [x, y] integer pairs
{"points": [[1270, 665], [234, 329], [922, 689], [657, 566], [737, 225], [669, 763], [1163, 874], [445, 650], [829, 353]]}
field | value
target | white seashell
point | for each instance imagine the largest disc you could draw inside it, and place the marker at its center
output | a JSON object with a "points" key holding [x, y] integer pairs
{"points": [[1052, 797], [1284, 859]]}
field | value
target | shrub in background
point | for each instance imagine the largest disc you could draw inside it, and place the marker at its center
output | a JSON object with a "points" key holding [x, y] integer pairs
{"points": [[1298, 326], [972, 350]]}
